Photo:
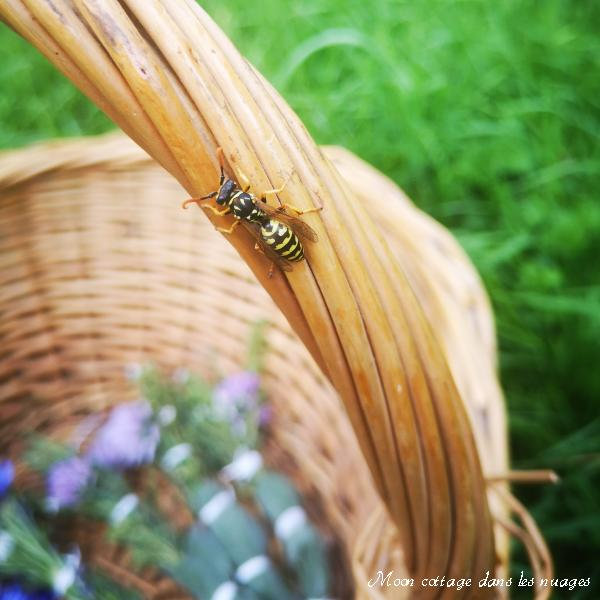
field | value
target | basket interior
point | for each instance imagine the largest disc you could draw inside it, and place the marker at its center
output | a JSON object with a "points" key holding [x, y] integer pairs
{"points": [[101, 270]]}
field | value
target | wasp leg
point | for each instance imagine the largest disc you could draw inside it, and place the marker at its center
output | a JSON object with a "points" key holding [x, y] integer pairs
{"points": [[278, 190], [259, 249], [208, 206], [221, 156], [271, 267], [192, 201], [287, 207], [299, 211], [243, 181], [241, 177], [216, 211], [228, 229]]}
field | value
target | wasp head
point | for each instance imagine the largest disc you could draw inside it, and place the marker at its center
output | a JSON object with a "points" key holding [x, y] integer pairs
{"points": [[225, 191]]}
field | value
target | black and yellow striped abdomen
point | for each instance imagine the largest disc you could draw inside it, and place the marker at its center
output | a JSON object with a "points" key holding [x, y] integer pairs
{"points": [[282, 240]]}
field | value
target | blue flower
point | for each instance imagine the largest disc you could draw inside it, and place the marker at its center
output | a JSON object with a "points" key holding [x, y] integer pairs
{"points": [[43, 595], [7, 474], [66, 481], [14, 591], [127, 439]]}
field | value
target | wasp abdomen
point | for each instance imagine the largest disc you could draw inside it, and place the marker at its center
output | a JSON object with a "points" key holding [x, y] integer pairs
{"points": [[282, 240]]}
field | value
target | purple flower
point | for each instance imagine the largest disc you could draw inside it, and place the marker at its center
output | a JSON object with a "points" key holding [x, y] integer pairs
{"points": [[265, 415], [66, 480], [7, 474], [127, 439], [239, 390], [236, 397]]}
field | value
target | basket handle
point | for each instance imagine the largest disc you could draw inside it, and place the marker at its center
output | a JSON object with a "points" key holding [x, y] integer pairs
{"points": [[170, 78]]}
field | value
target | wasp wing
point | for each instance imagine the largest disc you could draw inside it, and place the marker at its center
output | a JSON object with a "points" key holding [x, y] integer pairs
{"points": [[280, 261], [301, 229]]}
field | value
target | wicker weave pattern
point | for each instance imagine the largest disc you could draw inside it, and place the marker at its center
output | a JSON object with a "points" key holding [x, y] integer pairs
{"points": [[99, 271], [173, 81]]}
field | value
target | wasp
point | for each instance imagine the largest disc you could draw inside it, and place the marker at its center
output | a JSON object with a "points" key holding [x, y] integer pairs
{"points": [[277, 232]]}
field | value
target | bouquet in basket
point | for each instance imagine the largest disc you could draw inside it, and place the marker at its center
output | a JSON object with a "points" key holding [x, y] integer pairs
{"points": [[185, 448]]}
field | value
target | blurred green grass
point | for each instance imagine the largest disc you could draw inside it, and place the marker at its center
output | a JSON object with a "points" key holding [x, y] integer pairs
{"points": [[487, 114]]}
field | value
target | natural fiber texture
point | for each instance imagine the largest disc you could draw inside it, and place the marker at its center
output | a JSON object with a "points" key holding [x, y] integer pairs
{"points": [[99, 270], [378, 313]]}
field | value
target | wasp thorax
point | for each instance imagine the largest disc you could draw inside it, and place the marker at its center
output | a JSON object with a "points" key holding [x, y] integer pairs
{"points": [[244, 207]]}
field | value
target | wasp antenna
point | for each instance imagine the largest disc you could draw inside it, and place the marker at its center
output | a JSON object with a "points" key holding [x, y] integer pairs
{"points": [[197, 200], [221, 157], [222, 179]]}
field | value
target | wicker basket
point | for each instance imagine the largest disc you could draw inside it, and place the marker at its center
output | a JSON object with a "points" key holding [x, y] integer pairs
{"points": [[93, 279], [100, 268]]}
